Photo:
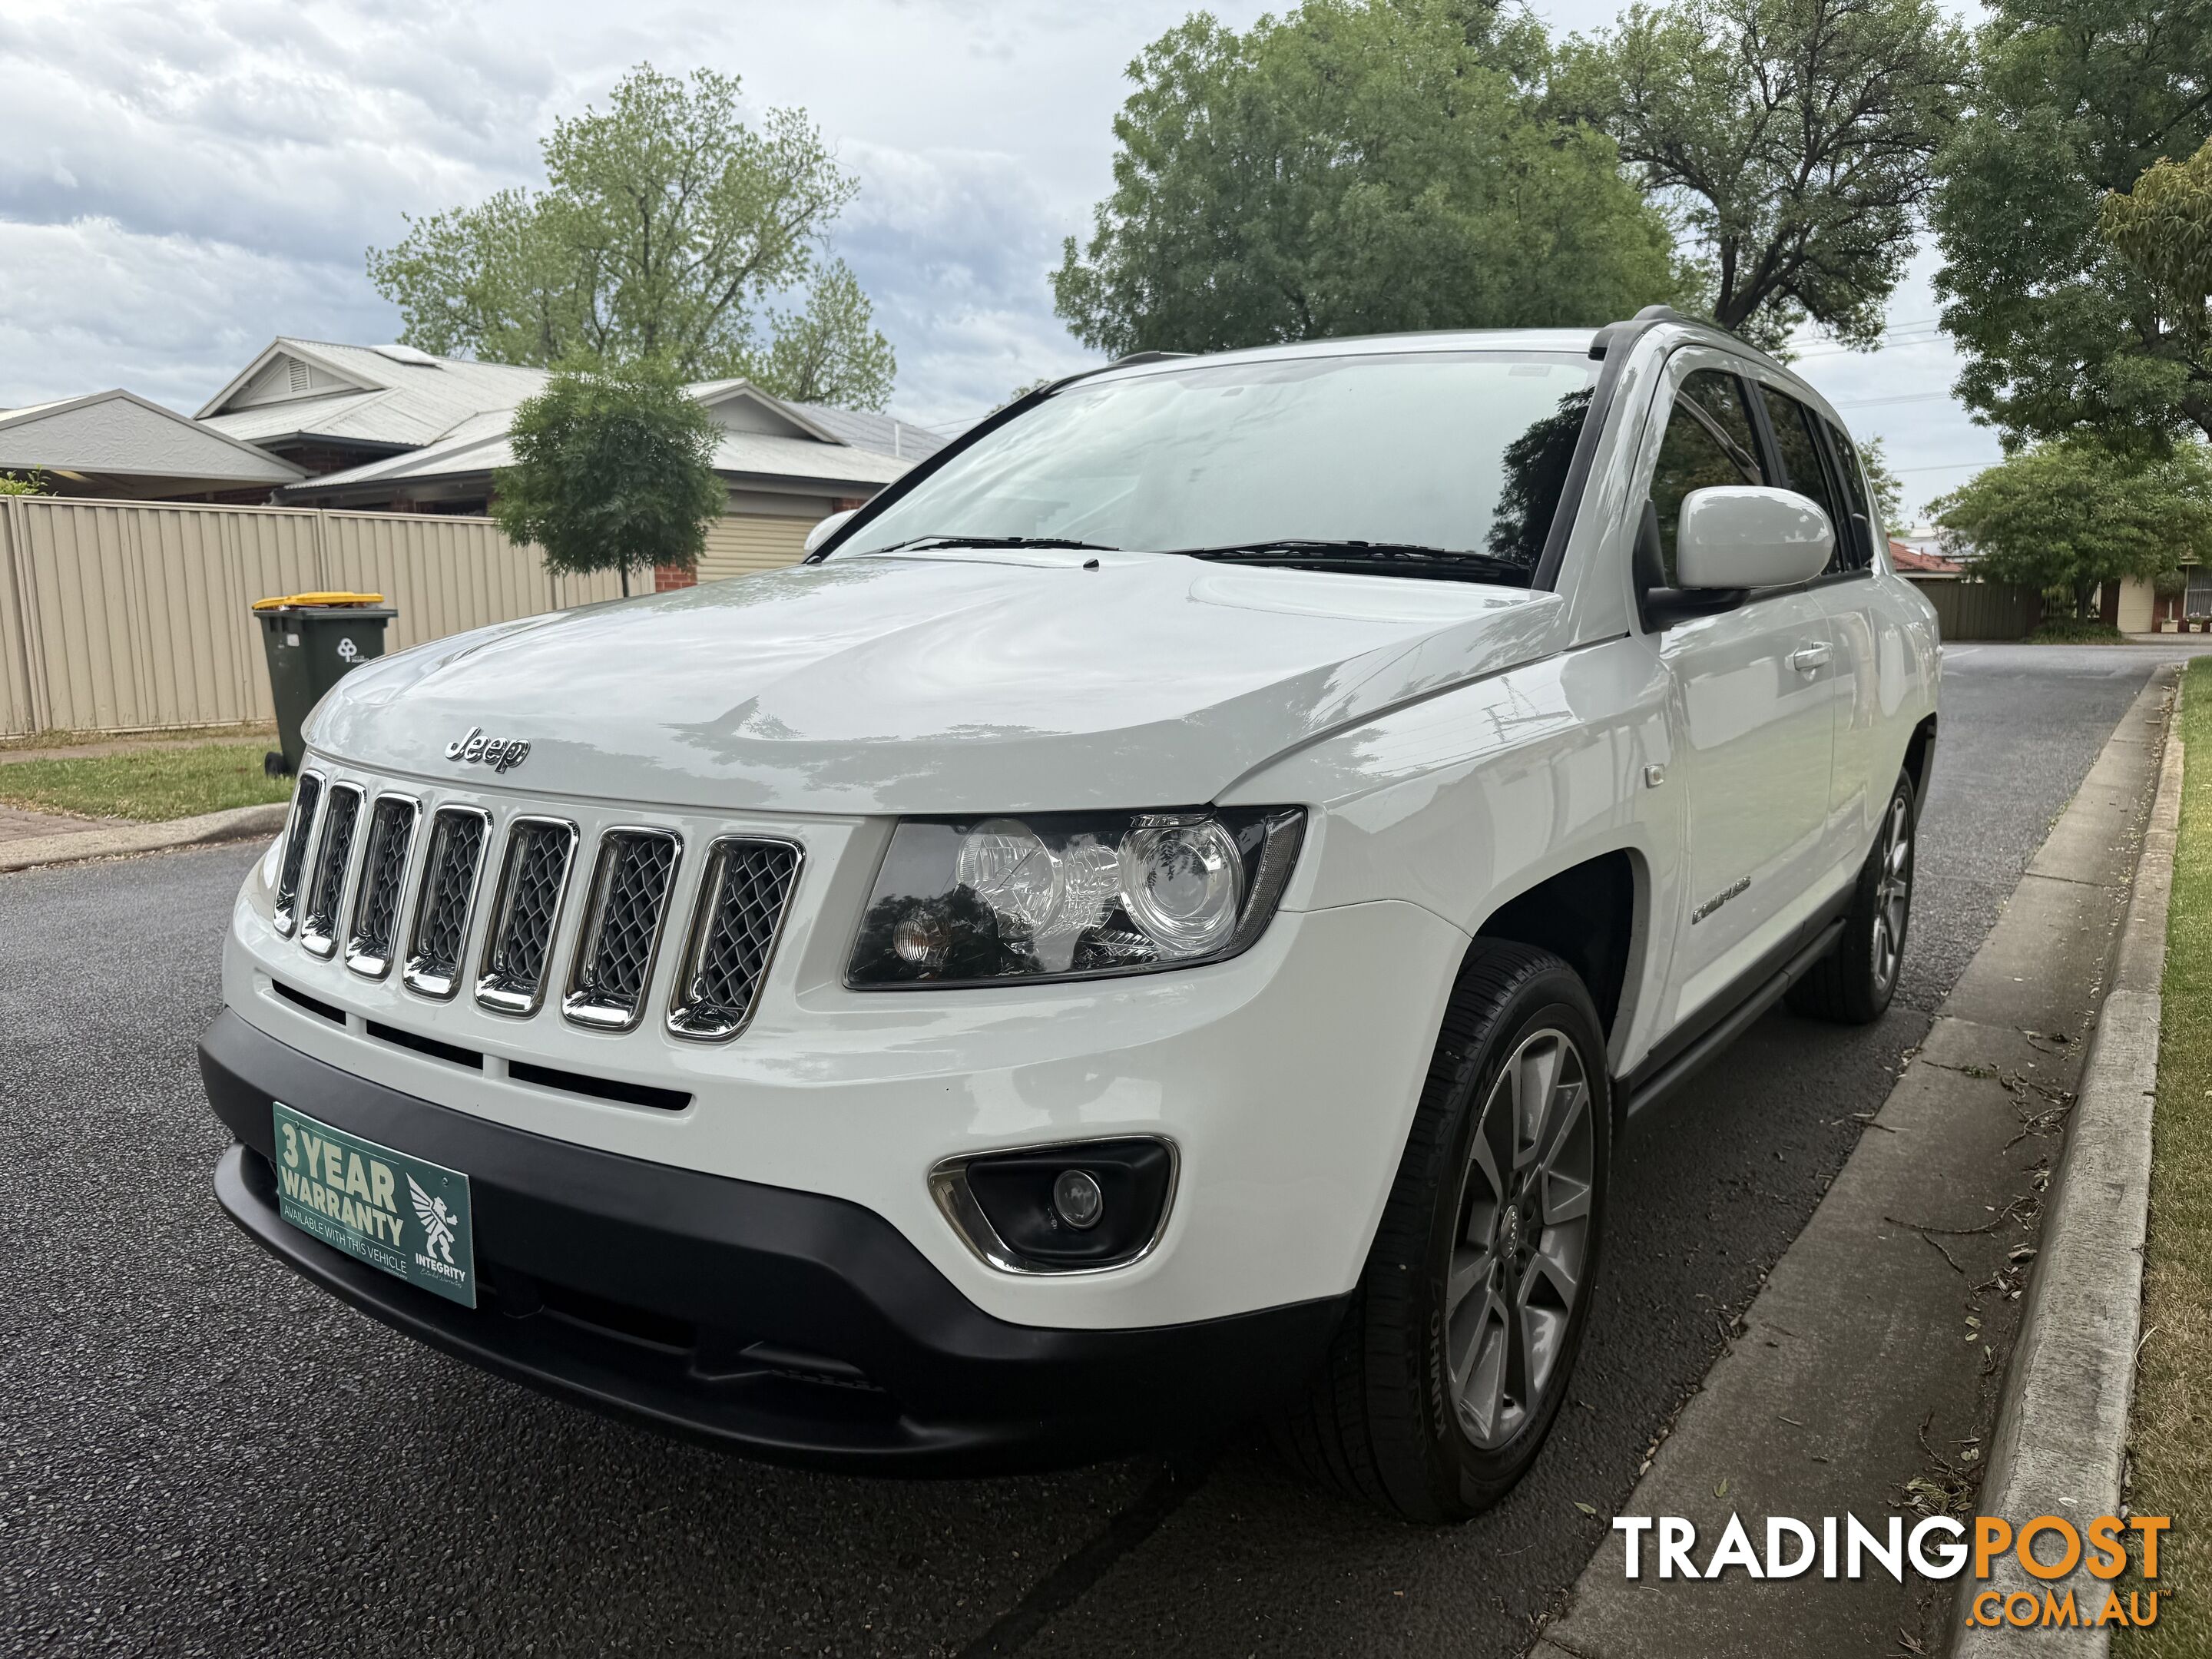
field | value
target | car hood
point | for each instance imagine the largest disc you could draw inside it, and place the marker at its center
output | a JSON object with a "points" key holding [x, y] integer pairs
{"points": [[939, 682]]}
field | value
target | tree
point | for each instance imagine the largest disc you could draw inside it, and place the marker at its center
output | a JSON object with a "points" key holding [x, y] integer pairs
{"points": [[2072, 514], [612, 471], [2062, 332], [666, 226], [1353, 167], [829, 354], [33, 483], [1888, 494], [2162, 231], [1791, 137]]}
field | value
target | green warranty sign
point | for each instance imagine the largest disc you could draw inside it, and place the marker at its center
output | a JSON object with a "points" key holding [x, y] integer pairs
{"points": [[406, 1216]]}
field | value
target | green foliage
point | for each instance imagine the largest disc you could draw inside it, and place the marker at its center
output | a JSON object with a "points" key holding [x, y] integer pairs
{"points": [[33, 483], [2061, 332], [612, 471], [2163, 230], [1354, 167], [2068, 515], [1791, 137], [828, 353], [1888, 493], [2075, 630], [665, 227]]}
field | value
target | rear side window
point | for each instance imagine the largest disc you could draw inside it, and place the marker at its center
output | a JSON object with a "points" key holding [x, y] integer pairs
{"points": [[1797, 440], [1708, 442]]}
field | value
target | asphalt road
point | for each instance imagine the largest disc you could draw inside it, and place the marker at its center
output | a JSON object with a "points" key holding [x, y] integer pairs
{"points": [[199, 1454]]}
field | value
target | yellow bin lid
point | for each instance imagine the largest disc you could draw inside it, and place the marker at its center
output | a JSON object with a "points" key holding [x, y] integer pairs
{"points": [[319, 598]]}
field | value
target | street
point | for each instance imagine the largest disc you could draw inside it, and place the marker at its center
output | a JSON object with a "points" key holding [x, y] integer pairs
{"points": [[198, 1454]]}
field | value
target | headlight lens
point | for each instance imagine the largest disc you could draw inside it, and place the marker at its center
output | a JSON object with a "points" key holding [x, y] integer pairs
{"points": [[1070, 896]]}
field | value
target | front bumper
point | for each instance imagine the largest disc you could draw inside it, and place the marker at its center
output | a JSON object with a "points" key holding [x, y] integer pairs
{"points": [[791, 1326]]}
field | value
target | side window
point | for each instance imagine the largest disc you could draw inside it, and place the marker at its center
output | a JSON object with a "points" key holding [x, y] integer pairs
{"points": [[1854, 498], [1708, 441], [1797, 438]]}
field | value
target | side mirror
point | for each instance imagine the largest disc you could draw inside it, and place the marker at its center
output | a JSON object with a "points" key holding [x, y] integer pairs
{"points": [[828, 527], [1750, 536]]}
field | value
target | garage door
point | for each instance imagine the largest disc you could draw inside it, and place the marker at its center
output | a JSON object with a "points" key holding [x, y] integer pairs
{"points": [[739, 544]]}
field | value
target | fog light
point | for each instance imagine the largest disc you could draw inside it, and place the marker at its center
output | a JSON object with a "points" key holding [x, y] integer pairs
{"points": [[1077, 1201], [1079, 1206]]}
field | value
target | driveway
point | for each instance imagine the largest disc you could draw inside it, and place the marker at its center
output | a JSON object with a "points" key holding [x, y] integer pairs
{"points": [[198, 1454]]}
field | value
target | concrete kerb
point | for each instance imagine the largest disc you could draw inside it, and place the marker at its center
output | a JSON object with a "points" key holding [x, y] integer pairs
{"points": [[124, 840], [2061, 1442], [1874, 1353]]}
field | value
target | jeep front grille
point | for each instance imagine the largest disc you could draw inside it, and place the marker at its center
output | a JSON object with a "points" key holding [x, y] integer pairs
{"points": [[383, 879], [518, 944], [450, 867], [733, 934], [306, 798], [319, 927], [628, 899]]}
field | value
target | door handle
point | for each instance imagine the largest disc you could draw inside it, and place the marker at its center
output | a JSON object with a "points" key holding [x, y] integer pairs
{"points": [[1807, 658]]}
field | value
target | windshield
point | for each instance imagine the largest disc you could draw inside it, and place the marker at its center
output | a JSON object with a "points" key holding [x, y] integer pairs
{"points": [[1462, 453]]}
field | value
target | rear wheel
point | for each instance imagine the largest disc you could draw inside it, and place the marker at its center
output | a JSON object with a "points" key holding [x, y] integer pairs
{"points": [[1452, 1361], [1853, 983]]}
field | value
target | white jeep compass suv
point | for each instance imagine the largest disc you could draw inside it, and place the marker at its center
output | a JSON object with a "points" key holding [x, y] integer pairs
{"points": [[1163, 916]]}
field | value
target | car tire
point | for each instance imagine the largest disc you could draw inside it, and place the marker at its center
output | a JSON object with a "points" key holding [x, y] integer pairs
{"points": [[1414, 1409], [1852, 985]]}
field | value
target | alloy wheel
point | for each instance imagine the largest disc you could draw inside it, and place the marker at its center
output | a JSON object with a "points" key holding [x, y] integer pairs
{"points": [[1893, 897], [1523, 1239]]}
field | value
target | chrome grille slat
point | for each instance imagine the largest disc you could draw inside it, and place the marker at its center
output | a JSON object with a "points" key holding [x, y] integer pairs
{"points": [[613, 963], [318, 925], [733, 935], [525, 918], [452, 860], [306, 796], [373, 934]]}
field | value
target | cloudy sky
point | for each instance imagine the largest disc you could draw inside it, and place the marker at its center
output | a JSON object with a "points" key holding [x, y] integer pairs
{"points": [[179, 181]]}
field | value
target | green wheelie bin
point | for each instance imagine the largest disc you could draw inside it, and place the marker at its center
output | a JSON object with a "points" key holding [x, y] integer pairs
{"points": [[311, 640]]}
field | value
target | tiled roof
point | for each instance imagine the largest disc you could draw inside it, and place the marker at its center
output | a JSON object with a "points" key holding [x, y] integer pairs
{"points": [[410, 400], [1905, 557]]}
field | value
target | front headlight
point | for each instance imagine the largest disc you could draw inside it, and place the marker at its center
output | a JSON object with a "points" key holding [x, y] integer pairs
{"points": [[1071, 894]]}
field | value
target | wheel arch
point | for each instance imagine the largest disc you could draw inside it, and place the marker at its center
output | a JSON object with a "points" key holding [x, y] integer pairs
{"points": [[1920, 760], [1592, 914]]}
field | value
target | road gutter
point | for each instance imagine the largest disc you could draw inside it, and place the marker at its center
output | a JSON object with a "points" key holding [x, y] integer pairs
{"points": [[126, 840], [2061, 1442], [1866, 1374]]}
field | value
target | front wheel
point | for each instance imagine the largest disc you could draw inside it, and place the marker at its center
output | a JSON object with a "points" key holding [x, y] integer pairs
{"points": [[1853, 983], [1451, 1364]]}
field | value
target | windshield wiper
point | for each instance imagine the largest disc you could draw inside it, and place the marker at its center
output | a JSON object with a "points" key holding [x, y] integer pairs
{"points": [[1392, 558], [934, 539]]}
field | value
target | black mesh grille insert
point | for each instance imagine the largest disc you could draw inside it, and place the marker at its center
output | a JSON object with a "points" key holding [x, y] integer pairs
{"points": [[319, 927], [376, 907], [740, 911], [441, 919], [629, 894], [310, 795], [530, 902]]}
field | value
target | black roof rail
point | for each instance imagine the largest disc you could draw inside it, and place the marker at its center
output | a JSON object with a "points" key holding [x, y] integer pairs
{"points": [[1147, 357], [1614, 334]]}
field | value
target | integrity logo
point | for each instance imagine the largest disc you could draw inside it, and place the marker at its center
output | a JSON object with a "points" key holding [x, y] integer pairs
{"points": [[2049, 1547]]}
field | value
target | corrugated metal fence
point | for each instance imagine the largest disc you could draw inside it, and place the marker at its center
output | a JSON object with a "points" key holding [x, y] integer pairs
{"points": [[116, 616], [1984, 610]]}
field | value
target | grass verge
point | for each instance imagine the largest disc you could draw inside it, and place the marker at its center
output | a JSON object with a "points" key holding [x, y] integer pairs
{"points": [[150, 785], [2170, 1430], [60, 737]]}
